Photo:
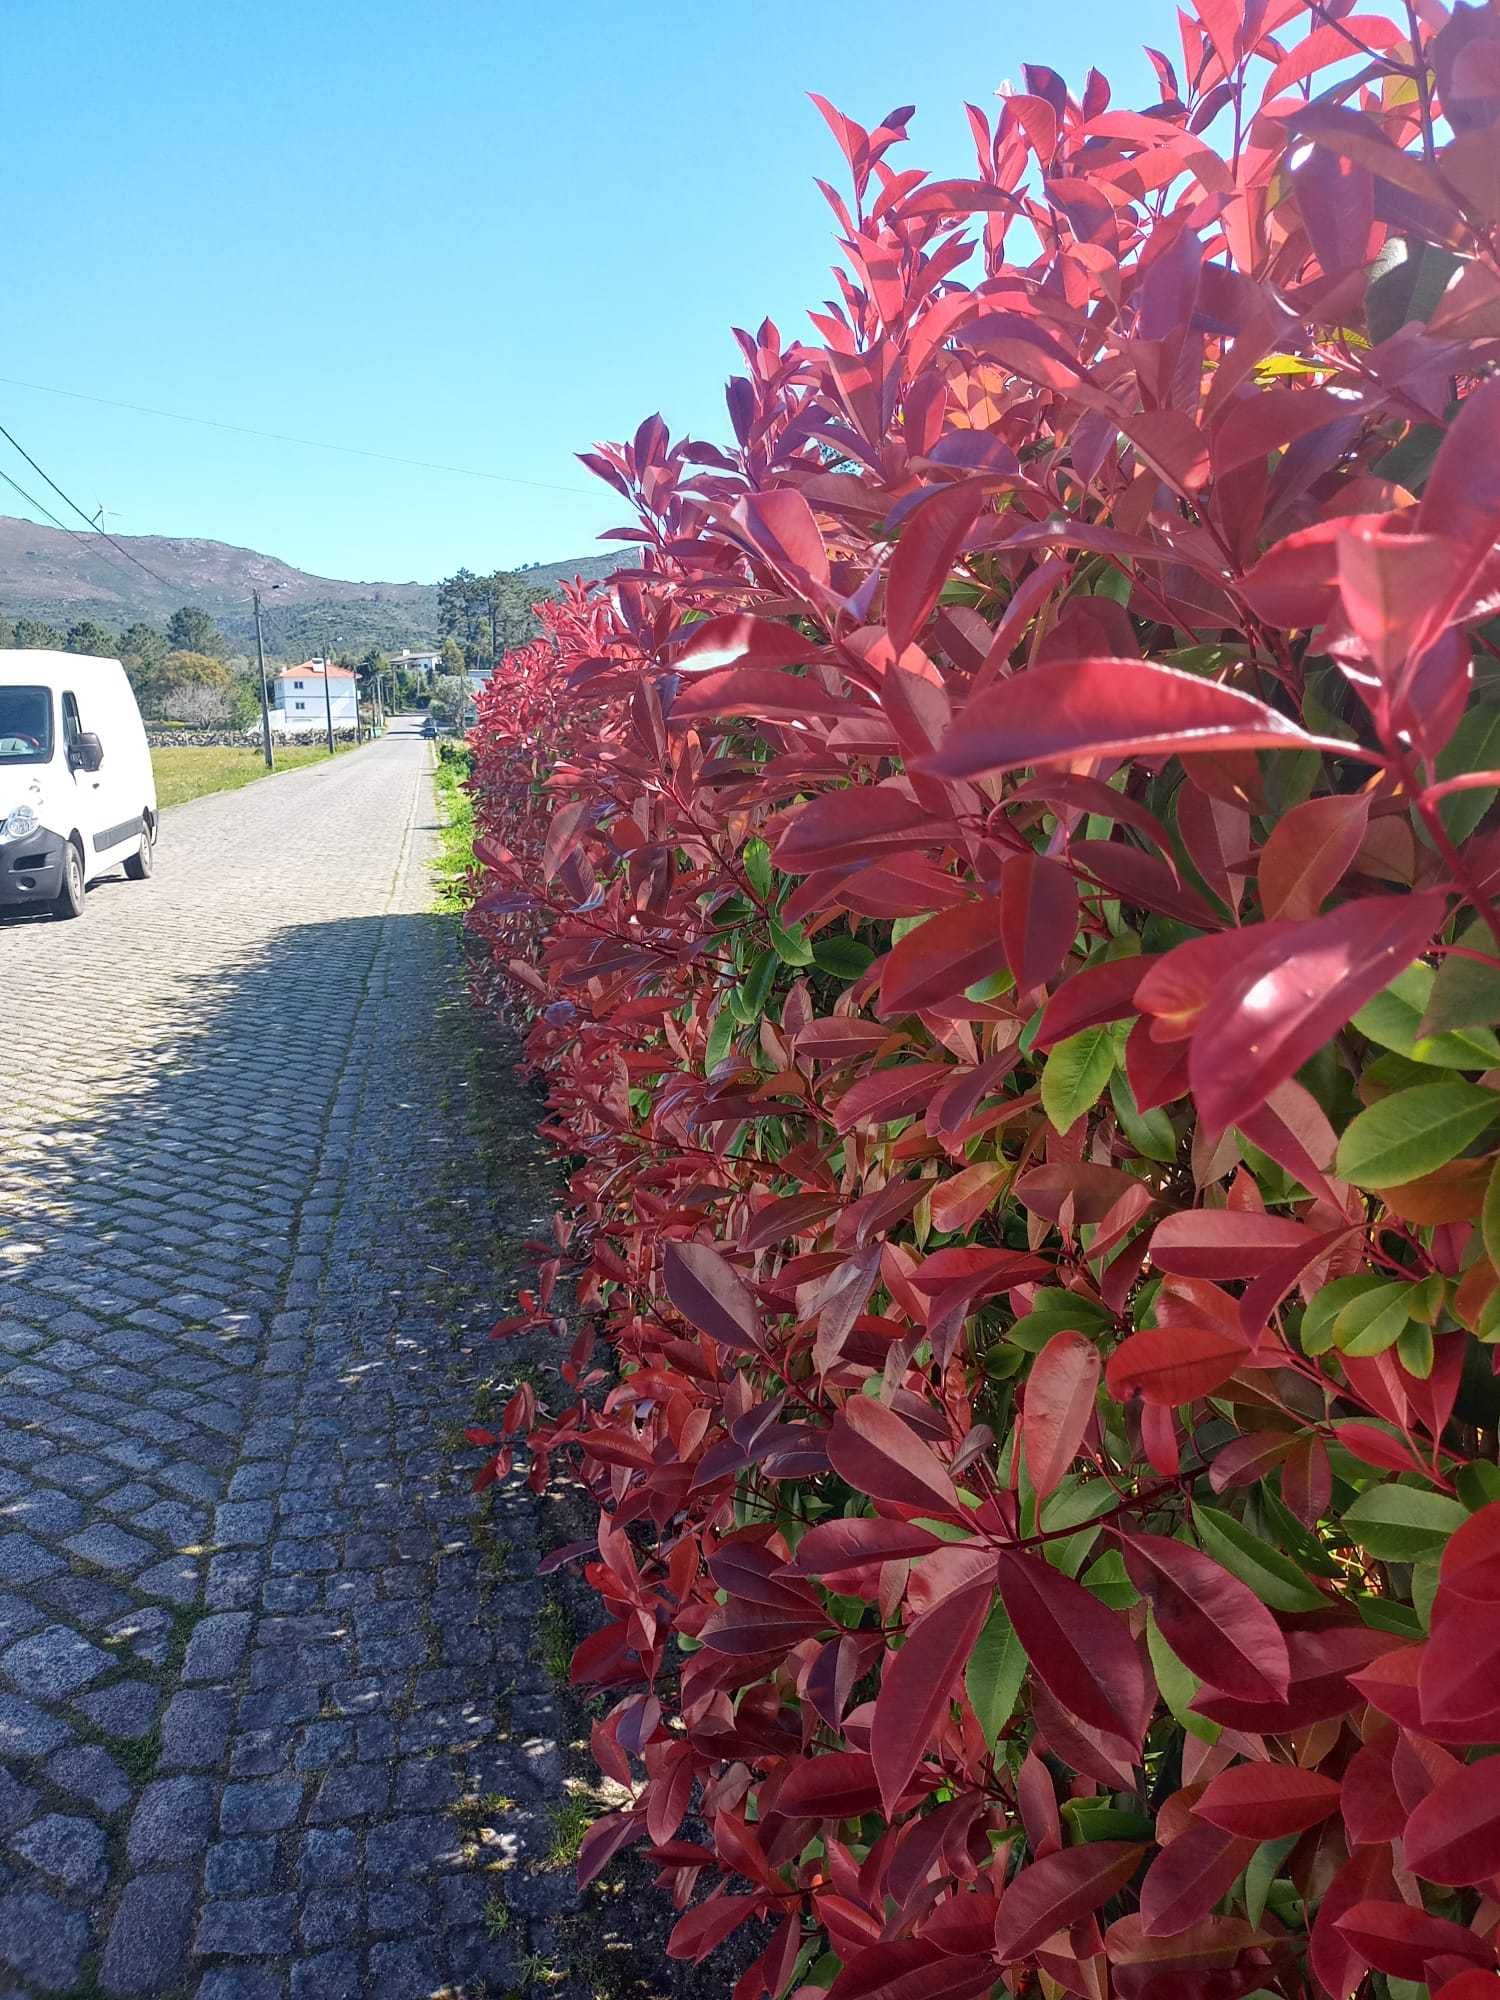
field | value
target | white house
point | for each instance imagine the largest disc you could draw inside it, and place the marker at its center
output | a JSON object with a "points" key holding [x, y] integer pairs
{"points": [[300, 702], [418, 662]]}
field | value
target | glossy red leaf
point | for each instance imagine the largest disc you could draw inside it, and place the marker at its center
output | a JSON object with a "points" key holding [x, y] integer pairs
{"points": [[1060, 1392], [1056, 1892], [1188, 1876], [739, 640], [704, 1928], [1176, 1364], [1266, 1801], [931, 536], [843, 827], [711, 1295], [942, 957], [1038, 917], [1395, 1938], [880, 1455], [1081, 1650], [1108, 708], [1215, 1624], [1308, 854], [1289, 996], [841, 1784], [1453, 1837], [918, 1681], [1224, 1243], [912, 1969]]}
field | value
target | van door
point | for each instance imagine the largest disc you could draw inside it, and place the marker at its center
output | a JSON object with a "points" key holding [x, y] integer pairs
{"points": [[90, 788]]}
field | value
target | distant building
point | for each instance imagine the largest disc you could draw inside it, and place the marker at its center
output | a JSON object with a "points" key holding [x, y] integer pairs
{"points": [[418, 662], [300, 702]]}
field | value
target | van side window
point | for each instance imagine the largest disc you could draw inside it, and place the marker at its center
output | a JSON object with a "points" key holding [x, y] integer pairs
{"points": [[72, 727]]}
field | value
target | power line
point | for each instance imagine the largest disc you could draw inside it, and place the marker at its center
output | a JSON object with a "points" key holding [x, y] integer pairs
{"points": [[285, 437], [87, 519], [32, 501]]}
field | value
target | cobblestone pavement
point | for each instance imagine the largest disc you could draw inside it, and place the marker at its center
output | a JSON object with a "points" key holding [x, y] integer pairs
{"points": [[263, 1733]]}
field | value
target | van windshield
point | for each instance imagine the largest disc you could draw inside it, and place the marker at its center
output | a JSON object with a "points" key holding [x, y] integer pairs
{"points": [[25, 725]]}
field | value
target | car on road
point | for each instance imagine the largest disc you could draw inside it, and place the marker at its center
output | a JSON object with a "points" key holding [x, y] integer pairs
{"points": [[77, 794], [429, 727]]}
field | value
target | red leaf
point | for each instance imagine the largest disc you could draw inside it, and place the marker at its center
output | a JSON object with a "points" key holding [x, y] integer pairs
{"points": [[1333, 1959], [942, 957], [760, 691], [1470, 1986], [1082, 1650], [704, 1927], [886, 1094], [712, 1295], [1104, 992], [931, 536], [1308, 853], [1188, 1877], [780, 524], [912, 1969], [1461, 499], [739, 640], [842, 827], [878, 1454], [604, 1840], [959, 1202], [1038, 917], [1470, 1564], [1060, 1391], [1175, 1364], [835, 1546], [1215, 1624], [1223, 1242], [1266, 1801], [1453, 1837], [1054, 1893], [839, 1785], [1395, 1938], [917, 1684], [1109, 708], [1294, 993]]}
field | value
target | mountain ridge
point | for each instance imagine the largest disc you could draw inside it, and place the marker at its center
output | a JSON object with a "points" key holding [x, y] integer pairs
{"points": [[61, 577]]}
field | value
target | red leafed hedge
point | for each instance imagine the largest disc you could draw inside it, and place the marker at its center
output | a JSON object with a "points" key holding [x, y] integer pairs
{"points": [[1002, 888]]}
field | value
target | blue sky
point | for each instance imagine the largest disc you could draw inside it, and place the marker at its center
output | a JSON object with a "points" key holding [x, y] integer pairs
{"points": [[475, 233]]}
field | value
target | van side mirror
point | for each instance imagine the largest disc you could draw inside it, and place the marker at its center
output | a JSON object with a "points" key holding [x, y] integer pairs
{"points": [[87, 753]]}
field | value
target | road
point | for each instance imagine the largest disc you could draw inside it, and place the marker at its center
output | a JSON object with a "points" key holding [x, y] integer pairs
{"points": [[247, 1675]]}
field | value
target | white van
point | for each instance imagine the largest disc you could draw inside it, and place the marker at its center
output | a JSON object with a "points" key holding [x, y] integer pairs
{"points": [[77, 794]]}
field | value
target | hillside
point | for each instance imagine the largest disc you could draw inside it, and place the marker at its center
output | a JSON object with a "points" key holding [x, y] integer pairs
{"points": [[59, 577]]}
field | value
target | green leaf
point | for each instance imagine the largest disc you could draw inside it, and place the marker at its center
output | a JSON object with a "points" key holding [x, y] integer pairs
{"points": [[1414, 1131], [1075, 1074], [1479, 1483], [748, 1000], [1473, 746], [1394, 1019], [1274, 1577], [1465, 994], [790, 946], [1108, 1581], [997, 1667], [1414, 1350], [1178, 1684], [1489, 1217], [756, 861], [1407, 280], [1073, 1504], [1265, 1866], [1325, 1306], [844, 956], [1373, 1321], [720, 1038], [1402, 1523], [1151, 1133]]}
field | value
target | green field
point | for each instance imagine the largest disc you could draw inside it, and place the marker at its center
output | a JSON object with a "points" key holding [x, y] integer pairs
{"points": [[191, 771]]}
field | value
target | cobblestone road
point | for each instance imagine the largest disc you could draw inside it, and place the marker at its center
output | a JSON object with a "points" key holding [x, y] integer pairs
{"points": [[249, 1720]]}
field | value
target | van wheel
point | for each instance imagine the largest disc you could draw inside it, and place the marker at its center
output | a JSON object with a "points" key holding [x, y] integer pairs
{"points": [[138, 866], [69, 902]]}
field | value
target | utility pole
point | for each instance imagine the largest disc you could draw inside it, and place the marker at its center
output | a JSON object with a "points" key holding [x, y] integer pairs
{"points": [[328, 692], [265, 706]]}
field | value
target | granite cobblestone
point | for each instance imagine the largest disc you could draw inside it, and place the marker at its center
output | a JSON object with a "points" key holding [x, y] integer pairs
{"points": [[244, 1669]]}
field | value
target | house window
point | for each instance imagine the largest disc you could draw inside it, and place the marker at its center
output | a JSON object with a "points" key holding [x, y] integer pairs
{"points": [[297, 684], [299, 704]]}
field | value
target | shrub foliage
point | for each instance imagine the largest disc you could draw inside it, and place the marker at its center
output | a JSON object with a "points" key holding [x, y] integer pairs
{"points": [[1002, 887]]}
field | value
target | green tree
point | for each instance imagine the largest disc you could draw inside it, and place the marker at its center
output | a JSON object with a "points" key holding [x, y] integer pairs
{"points": [[87, 635], [450, 694], [486, 615], [192, 631], [32, 632], [7, 633], [453, 657]]}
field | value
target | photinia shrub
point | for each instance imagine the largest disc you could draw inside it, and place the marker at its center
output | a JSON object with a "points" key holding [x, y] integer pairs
{"points": [[1002, 889]]}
